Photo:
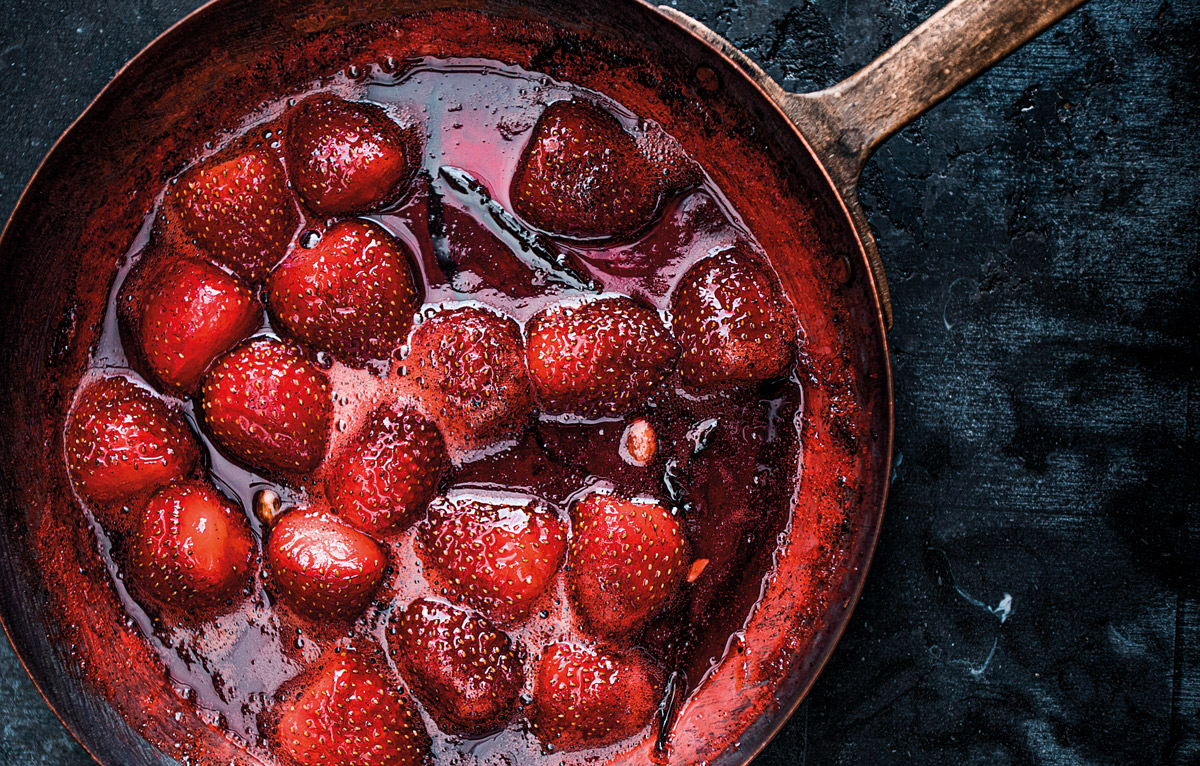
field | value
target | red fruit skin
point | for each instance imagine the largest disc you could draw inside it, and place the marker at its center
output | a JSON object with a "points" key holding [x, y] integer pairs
{"points": [[350, 714], [390, 473], [627, 559], [238, 211], [495, 557], [181, 313], [732, 322], [588, 697], [583, 176], [322, 568], [349, 157], [121, 440], [469, 366], [352, 294], [468, 673], [267, 405], [599, 358], [193, 548]]}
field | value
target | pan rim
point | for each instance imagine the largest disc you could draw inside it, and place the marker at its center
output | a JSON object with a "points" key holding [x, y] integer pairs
{"points": [[867, 547]]}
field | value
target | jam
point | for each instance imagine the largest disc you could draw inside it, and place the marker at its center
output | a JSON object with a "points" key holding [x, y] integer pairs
{"points": [[720, 456]]}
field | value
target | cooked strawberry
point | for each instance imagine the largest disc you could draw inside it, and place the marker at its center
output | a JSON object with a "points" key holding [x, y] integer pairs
{"points": [[390, 473], [122, 440], [238, 211], [467, 672], [598, 358], [627, 558], [349, 713], [349, 157], [583, 175], [321, 567], [193, 548], [352, 294], [181, 313], [587, 697], [469, 365], [268, 405], [732, 321], [497, 557]]}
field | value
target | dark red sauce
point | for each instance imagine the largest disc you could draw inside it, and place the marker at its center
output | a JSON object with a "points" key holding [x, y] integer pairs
{"points": [[749, 496]]}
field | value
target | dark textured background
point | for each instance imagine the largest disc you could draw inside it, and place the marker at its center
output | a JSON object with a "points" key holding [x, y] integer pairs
{"points": [[1035, 595]]}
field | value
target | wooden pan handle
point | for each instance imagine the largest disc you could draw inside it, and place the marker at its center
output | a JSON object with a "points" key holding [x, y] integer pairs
{"points": [[846, 123]]}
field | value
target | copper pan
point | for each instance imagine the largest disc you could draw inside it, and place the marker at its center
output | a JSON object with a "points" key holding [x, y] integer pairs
{"points": [[768, 148]]}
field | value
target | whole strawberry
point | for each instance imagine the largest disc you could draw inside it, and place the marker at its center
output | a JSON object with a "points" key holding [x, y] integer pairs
{"points": [[627, 559], [348, 713], [468, 673], [348, 157], [390, 473], [598, 358], [238, 211], [193, 548], [732, 321], [180, 313], [469, 365], [588, 697], [582, 175], [322, 568], [352, 294], [269, 406], [496, 557], [122, 440]]}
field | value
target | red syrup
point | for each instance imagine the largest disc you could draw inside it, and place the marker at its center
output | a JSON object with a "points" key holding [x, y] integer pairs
{"points": [[728, 462]]}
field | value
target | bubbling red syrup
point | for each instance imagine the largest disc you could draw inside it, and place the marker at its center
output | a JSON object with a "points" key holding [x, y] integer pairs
{"points": [[728, 462]]}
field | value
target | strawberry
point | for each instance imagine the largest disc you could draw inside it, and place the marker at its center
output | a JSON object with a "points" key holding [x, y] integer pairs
{"points": [[598, 358], [582, 175], [627, 558], [348, 713], [238, 211], [588, 697], [349, 158], [181, 313], [732, 321], [122, 440], [269, 406], [352, 294], [390, 473], [497, 557], [193, 548], [323, 569], [469, 365], [468, 673]]}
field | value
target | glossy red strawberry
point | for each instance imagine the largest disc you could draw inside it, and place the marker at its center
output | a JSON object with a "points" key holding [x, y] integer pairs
{"points": [[587, 697], [321, 567], [732, 321], [627, 559], [122, 440], [348, 713], [269, 406], [181, 313], [238, 211], [390, 473], [349, 157], [469, 365], [467, 672], [497, 557], [352, 294], [193, 548], [582, 175], [597, 358]]}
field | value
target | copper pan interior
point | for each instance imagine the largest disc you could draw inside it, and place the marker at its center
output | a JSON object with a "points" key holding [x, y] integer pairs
{"points": [[94, 189]]}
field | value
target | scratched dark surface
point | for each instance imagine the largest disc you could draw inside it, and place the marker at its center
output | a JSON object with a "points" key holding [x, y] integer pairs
{"points": [[1035, 595]]}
